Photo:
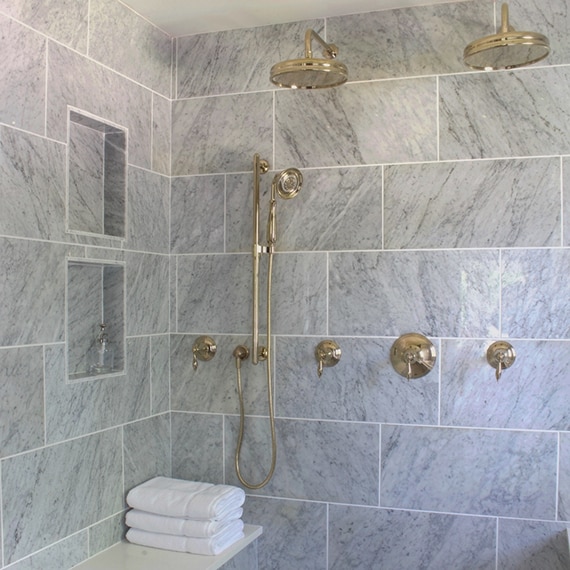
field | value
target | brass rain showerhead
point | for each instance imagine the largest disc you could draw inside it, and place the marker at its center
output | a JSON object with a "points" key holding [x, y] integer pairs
{"points": [[310, 72], [506, 49]]}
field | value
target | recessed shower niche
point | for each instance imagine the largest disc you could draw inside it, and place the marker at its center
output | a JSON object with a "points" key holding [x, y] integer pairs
{"points": [[95, 318], [96, 176]]}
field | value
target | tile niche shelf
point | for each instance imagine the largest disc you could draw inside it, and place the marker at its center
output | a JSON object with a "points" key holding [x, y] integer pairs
{"points": [[96, 176], [95, 295]]}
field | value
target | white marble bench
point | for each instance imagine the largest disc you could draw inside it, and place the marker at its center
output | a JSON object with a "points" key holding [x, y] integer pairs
{"points": [[126, 556]]}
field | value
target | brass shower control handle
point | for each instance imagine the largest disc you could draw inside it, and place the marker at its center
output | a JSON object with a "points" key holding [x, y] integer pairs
{"points": [[412, 355], [204, 349], [327, 353], [501, 355]]}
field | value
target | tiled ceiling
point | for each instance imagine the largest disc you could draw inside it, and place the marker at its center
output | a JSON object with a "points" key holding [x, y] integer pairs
{"points": [[185, 17]]}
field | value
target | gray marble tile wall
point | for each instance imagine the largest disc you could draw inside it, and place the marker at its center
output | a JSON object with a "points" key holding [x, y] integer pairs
{"points": [[70, 450], [435, 200]]}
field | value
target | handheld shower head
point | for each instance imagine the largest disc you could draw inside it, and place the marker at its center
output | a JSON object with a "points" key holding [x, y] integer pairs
{"points": [[288, 183]]}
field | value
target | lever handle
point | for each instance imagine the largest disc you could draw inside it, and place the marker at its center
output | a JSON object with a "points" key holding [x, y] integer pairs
{"points": [[327, 353], [501, 355], [204, 349]]}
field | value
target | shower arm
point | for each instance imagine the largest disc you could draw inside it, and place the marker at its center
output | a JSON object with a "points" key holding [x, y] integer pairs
{"points": [[260, 166], [330, 50]]}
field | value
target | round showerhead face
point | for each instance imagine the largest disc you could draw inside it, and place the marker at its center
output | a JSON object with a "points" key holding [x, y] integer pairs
{"points": [[309, 73], [288, 182], [506, 50]]}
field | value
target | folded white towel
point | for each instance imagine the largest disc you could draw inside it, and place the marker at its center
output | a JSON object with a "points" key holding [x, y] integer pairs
{"points": [[207, 546], [179, 526], [186, 499]]}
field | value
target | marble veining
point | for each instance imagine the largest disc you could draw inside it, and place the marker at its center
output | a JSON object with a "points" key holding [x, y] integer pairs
{"points": [[91, 466], [197, 447], [441, 293], [386, 121], [532, 394], [535, 294], [161, 109], [379, 538], [32, 181], [564, 480], [506, 203], [236, 61], [363, 386], [21, 394], [220, 134], [294, 533], [528, 108], [422, 40], [160, 373], [131, 45], [349, 450], [200, 199], [22, 85], [486, 472]]}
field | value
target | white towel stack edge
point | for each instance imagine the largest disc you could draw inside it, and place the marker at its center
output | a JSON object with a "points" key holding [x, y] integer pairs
{"points": [[186, 516]]}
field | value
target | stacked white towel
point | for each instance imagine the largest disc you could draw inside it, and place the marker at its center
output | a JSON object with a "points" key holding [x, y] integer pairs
{"points": [[186, 516]]}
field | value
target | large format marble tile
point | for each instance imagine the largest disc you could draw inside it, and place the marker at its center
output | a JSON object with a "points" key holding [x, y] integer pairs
{"points": [[294, 533], [363, 386], [65, 20], [506, 203], [197, 447], [320, 461], [146, 449], [106, 533], [220, 134], [130, 44], [246, 559], [38, 505], [237, 61], [214, 294], [148, 211], [530, 545], [379, 538], [65, 554], [515, 113], [532, 394], [32, 183], [197, 214], [363, 123], [536, 294], [21, 399], [424, 40], [79, 82], [336, 209], [437, 293], [211, 388], [147, 293], [564, 478], [73, 409], [32, 281], [22, 85], [484, 472]]}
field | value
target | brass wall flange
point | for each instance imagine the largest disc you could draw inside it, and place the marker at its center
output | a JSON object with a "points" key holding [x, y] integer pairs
{"points": [[327, 353], [501, 355], [412, 355], [204, 349]]}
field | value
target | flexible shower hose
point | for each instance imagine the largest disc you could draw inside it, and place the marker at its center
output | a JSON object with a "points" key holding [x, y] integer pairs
{"points": [[239, 356]]}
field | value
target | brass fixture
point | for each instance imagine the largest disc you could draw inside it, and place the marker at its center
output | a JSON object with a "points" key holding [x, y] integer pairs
{"points": [[327, 353], [310, 72], [507, 48], [412, 355], [286, 184], [501, 355], [204, 349]]}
